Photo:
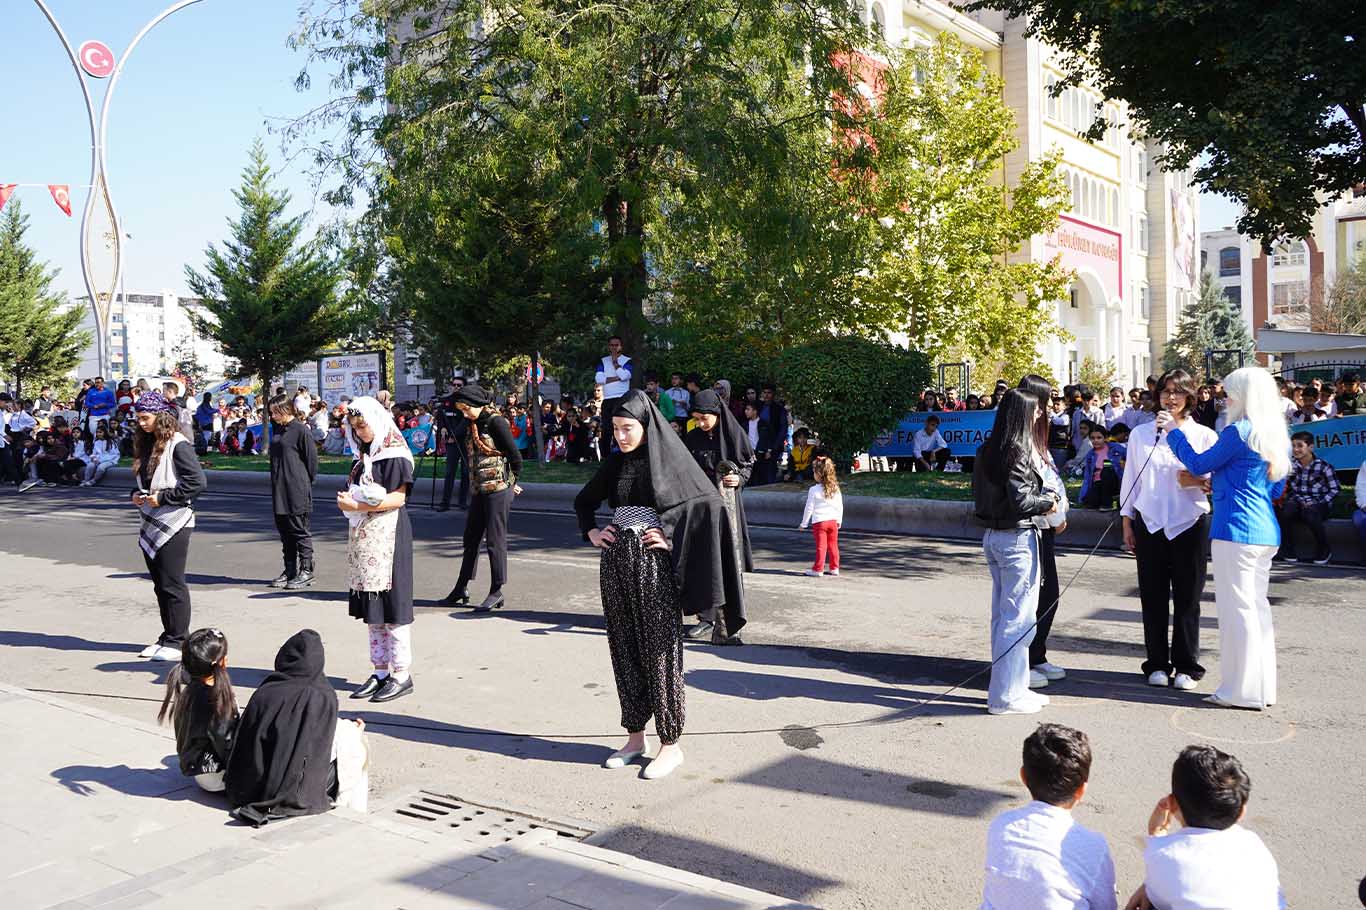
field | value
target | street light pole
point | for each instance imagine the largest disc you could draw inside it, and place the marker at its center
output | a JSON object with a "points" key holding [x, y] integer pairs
{"points": [[99, 170]]}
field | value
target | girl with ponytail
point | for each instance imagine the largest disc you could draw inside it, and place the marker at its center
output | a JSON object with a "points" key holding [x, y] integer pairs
{"points": [[202, 709]]}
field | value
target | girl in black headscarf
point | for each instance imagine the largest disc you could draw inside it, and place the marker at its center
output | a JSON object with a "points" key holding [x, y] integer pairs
{"points": [[281, 758], [722, 449], [664, 507]]}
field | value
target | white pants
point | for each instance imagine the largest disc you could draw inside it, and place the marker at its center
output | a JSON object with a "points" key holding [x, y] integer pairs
{"points": [[391, 648], [1247, 641]]}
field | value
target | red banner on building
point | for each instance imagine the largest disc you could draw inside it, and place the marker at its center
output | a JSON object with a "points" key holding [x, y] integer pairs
{"points": [[61, 194], [6, 191]]}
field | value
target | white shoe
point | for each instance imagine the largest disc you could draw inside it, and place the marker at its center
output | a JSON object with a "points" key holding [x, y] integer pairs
{"points": [[166, 653], [1052, 671], [151, 649], [623, 757], [1037, 680], [1033, 703], [1184, 681], [663, 767], [835, 572], [28, 485], [812, 573], [1158, 678]]}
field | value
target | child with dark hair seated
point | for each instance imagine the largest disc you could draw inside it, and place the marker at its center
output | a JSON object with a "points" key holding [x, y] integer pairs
{"points": [[203, 711], [1209, 862], [1037, 855]]}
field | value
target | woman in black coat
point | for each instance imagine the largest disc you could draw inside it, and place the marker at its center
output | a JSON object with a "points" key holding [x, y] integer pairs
{"points": [[293, 469]]}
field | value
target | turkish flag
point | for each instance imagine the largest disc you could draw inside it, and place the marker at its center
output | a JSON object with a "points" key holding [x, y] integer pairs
{"points": [[61, 194], [6, 190]]}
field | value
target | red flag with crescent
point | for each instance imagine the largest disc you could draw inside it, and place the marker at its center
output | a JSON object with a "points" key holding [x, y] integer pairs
{"points": [[6, 191], [61, 194]]}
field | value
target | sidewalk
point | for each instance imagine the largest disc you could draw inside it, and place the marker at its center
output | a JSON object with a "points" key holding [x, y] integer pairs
{"points": [[94, 813]]}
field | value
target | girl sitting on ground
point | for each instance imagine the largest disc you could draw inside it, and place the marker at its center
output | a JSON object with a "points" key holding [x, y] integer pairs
{"points": [[824, 513], [203, 711]]}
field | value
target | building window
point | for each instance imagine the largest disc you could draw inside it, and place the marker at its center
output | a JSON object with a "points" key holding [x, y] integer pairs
{"points": [[1074, 299], [1234, 295], [1114, 208], [1292, 253], [1141, 167], [1141, 233], [1145, 302], [1289, 298], [117, 317], [1230, 261]]}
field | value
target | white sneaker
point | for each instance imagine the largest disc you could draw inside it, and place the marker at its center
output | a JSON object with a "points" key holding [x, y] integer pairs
{"points": [[28, 485], [166, 653], [1158, 678], [663, 767], [1185, 681], [1323, 560], [835, 572], [1052, 671], [1032, 703], [151, 649], [1037, 680], [623, 757], [812, 573]]}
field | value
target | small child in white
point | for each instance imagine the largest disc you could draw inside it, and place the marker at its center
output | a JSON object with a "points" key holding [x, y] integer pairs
{"points": [[824, 513], [1210, 862], [1038, 857]]}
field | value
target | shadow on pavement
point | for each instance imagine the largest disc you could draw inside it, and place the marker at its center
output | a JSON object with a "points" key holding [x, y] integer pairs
{"points": [[16, 639], [766, 686], [497, 742]]}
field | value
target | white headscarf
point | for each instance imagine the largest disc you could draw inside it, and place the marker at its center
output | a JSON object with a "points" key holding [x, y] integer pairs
{"points": [[388, 441]]}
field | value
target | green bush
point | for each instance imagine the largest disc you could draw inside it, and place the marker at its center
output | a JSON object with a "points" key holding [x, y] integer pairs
{"points": [[850, 389]]}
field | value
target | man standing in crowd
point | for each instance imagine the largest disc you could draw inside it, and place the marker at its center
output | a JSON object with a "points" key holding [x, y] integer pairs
{"points": [[665, 403], [1309, 493], [174, 390], [774, 413], [682, 398], [453, 428], [99, 403], [614, 375], [1348, 403], [42, 407], [303, 402], [9, 470]]}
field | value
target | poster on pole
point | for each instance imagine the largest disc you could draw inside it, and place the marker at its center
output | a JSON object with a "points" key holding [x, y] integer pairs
{"points": [[350, 375]]}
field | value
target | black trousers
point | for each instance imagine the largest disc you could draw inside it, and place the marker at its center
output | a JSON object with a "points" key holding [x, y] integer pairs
{"points": [[167, 569], [1101, 494], [9, 470], [1291, 512], [1048, 604], [644, 635], [487, 519], [455, 458], [1171, 573], [938, 458], [297, 542], [609, 407]]}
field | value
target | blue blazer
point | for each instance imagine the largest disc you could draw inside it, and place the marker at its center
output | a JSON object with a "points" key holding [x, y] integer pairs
{"points": [[1242, 492]]}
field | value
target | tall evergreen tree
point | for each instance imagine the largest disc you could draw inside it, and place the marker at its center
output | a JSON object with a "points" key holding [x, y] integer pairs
{"points": [[269, 300], [1211, 323], [40, 337]]}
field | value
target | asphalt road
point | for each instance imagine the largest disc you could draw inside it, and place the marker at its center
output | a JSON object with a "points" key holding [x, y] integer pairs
{"points": [[813, 769]]}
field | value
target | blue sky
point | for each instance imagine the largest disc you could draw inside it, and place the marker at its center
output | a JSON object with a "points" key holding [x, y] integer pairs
{"points": [[196, 92]]}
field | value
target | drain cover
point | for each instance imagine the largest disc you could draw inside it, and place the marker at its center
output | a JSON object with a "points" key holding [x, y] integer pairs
{"points": [[477, 820]]}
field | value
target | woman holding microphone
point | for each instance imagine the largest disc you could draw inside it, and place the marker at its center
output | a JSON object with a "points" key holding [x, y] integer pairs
{"points": [[1249, 463], [1166, 523]]}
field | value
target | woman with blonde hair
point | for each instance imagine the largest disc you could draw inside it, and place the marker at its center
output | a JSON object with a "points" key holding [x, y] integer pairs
{"points": [[169, 480], [1249, 464]]}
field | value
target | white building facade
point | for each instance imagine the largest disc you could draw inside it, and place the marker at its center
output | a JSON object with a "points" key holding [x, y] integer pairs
{"points": [[147, 334]]}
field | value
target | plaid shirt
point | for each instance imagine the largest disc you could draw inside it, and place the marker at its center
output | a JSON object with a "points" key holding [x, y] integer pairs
{"points": [[1313, 484]]}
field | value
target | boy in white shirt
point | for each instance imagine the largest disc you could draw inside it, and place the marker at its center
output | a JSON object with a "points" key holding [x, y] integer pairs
{"points": [[1210, 862], [928, 444], [1038, 857]]}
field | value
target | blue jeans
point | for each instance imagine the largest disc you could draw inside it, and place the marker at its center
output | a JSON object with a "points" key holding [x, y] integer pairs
{"points": [[1359, 519], [1013, 557]]}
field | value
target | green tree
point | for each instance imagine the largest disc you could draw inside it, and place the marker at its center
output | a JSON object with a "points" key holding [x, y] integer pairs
{"points": [[1340, 307], [40, 337], [269, 299], [944, 268], [850, 389], [1273, 94], [1097, 375], [1211, 323]]}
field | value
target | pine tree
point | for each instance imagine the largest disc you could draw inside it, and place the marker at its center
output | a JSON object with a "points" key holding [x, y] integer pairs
{"points": [[1211, 323], [40, 337], [269, 300]]}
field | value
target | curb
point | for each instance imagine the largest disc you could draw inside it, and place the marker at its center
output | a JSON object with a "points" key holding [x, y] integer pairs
{"points": [[881, 515]]}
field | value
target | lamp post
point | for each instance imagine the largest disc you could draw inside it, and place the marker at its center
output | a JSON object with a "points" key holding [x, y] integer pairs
{"points": [[95, 60]]}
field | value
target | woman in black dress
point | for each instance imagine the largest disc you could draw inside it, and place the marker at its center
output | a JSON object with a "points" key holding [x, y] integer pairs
{"points": [[379, 551], [667, 549]]}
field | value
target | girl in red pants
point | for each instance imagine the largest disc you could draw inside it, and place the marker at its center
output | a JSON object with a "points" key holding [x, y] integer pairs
{"points": [[824, 513]]}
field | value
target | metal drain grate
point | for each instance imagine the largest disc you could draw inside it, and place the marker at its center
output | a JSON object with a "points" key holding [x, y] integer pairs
{"points": [[475, 820]]}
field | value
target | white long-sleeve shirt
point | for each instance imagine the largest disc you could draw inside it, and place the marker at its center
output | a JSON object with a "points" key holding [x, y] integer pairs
{"points": [[1205, 869], [1154, 491], [1039, 858], [922, 442], [818, 508]]}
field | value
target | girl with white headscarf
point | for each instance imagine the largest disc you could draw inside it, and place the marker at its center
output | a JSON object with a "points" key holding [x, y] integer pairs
{"points": [[379, 550]]}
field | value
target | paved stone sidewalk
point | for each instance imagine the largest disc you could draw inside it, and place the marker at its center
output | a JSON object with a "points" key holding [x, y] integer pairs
{"points": [[94, 813]]}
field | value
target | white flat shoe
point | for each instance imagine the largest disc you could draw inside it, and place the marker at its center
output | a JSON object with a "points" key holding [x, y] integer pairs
{"points": [[812, 573], [1184, 682], [623, 757], [1159, 679], [167, 654], [1037, 680], [663, 767], [149, 650], [1052, 671], [1220, 703]]}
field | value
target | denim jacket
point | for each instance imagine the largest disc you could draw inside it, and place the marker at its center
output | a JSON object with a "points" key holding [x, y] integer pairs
{"points": [[1242, 492]]}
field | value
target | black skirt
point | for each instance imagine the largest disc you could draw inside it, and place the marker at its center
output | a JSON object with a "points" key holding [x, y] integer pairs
{"points": [[394, 606]]}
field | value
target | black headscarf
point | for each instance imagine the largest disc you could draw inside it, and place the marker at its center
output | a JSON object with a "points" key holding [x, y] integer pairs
{"points": [[282, 756], [692, 515], [473, 395], [735, 445]]}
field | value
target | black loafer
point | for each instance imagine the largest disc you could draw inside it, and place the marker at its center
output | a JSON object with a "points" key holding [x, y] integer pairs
{"points": [[393, 689], [699, 632], [491, 603], [457, 598], [369, 687]]}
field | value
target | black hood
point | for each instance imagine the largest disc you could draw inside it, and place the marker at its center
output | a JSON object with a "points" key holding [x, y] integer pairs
{"points": [[301, 656]]}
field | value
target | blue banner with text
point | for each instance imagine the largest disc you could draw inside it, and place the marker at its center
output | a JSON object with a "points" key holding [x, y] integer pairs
{"points": [[964, 431]]}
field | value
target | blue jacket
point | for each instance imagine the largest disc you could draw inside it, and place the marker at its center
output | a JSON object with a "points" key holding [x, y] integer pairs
{"points": [[1115, 456], [1242, 491]]}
